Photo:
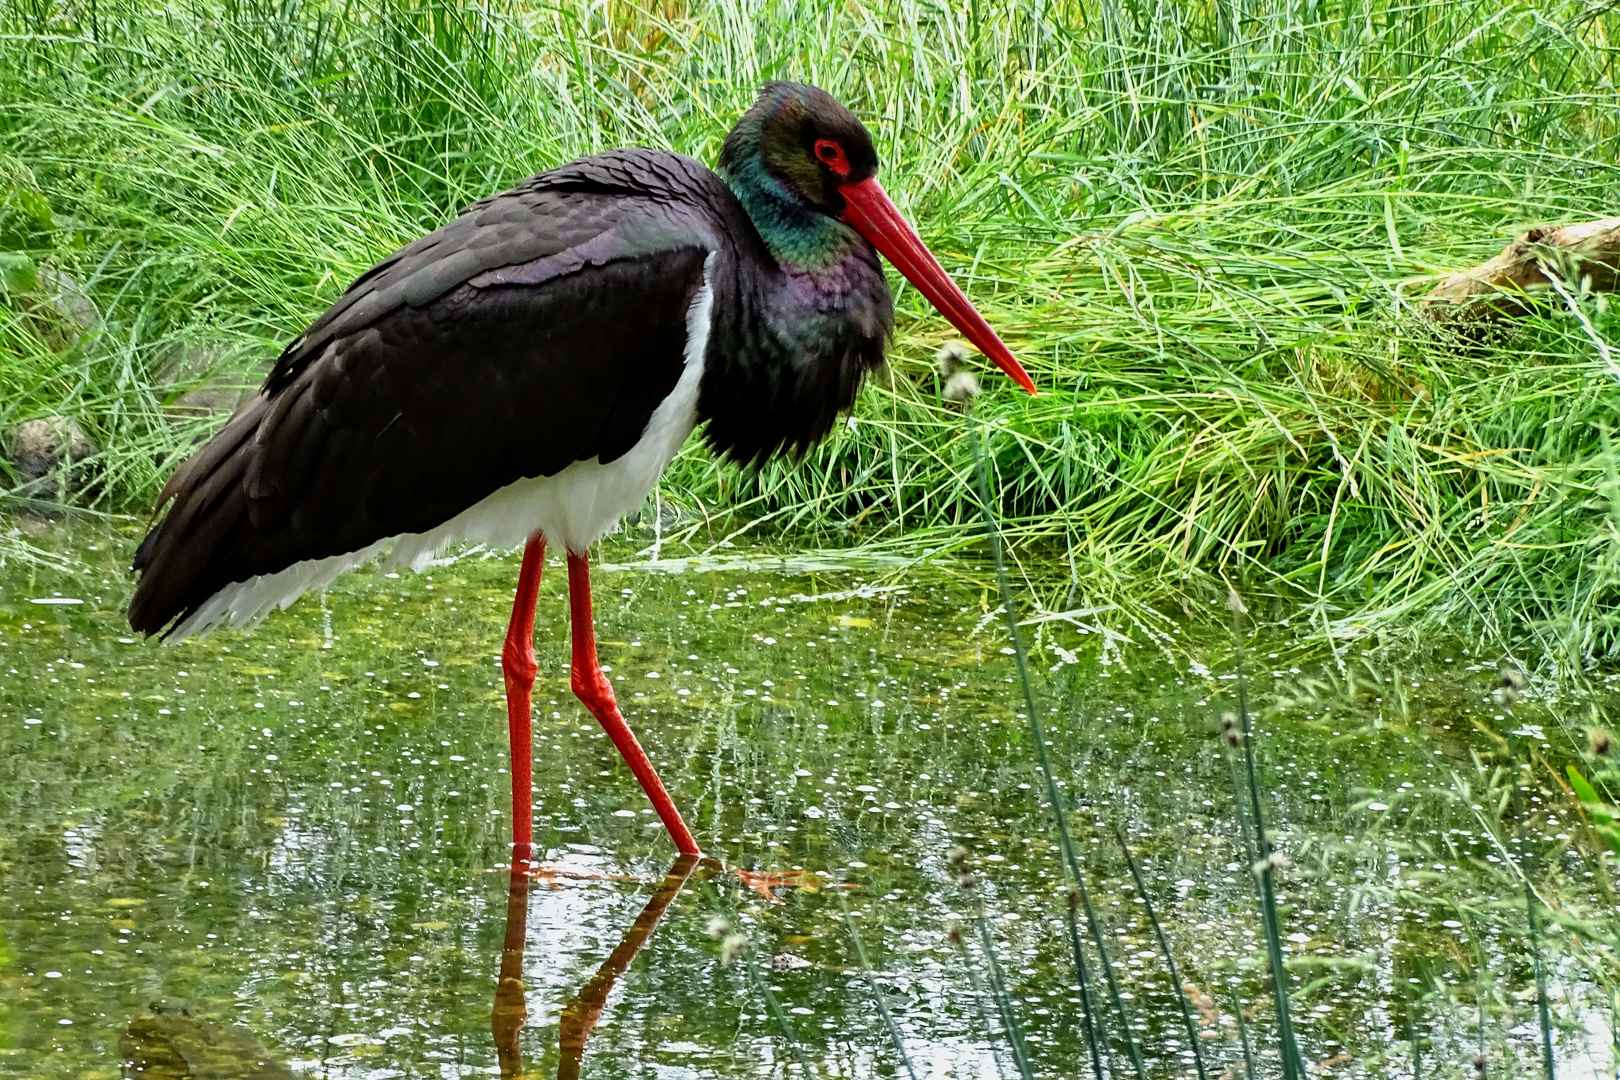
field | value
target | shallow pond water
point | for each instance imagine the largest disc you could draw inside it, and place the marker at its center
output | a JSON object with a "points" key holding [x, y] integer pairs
{"points": [[286, 853]]}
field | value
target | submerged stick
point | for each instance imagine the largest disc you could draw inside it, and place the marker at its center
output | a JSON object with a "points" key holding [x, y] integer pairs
{"points": [[1164, 949], [961, 386]]}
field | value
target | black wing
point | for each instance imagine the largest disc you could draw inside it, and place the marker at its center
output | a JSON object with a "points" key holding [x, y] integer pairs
{"points": [[540, 328]]}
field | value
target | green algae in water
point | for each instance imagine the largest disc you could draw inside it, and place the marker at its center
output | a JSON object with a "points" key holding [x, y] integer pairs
{"points": [[295, 842]]}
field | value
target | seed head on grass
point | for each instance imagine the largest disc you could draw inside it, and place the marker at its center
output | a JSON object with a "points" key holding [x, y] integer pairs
{"points": [[1510, 684], [1273, 863], [1231, 730], [1599, 741], [961, 385], [959, 860]]}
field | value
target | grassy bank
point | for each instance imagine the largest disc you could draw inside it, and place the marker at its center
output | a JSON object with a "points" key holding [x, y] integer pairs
{"points": [[1200, 226]]}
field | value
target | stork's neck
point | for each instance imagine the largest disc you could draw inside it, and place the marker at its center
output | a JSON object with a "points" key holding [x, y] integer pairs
{"points": [[799, 237], [793, 339]]}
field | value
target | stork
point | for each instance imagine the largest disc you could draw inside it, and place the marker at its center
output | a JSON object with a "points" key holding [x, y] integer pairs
{"points": [[523, 374]]}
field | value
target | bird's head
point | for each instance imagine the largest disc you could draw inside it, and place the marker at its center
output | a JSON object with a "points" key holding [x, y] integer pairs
{"points": [[807, 144], [797, 151]]}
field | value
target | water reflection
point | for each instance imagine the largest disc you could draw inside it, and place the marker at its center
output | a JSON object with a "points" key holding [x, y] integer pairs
{"points": [[511, 1009], [172, 1042], [293, 840], [584, 1009]]}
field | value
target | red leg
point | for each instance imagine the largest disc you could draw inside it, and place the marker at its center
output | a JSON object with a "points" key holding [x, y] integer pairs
{"points": [[592, 687], [518, 666]]}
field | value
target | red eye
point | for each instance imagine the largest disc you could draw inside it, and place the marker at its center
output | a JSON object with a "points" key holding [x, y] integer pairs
{"points": [[833, 154]]}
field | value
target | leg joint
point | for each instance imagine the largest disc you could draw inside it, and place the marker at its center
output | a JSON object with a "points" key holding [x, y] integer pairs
{"points": [[518, 662], [593, 688]]}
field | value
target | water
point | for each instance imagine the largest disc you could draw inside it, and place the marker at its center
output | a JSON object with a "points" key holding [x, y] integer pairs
{"points": [[285, 854]]}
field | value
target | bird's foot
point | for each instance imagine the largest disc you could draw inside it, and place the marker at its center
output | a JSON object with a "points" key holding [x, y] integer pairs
{"points": [[763, 881], [552, 875]]}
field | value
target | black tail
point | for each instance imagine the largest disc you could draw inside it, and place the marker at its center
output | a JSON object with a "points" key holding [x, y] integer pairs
{"points": [[207, 501]]}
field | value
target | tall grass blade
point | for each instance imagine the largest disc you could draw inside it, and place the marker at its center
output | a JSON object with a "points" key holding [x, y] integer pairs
{"points": [[877, 991], [1243, 1034], [1053, 797], [954, 932], [1264, 867], [1220, 320], [1164, 951]]}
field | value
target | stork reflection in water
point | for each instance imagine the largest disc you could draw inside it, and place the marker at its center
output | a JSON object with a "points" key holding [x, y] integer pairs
{"points": [[584, 1009]]}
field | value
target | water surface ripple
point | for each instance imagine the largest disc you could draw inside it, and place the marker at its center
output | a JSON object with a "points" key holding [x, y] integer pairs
{"points": [[285, 854]]}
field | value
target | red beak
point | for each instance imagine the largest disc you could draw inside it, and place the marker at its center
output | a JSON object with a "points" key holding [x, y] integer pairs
{"points": [[869, 212]]}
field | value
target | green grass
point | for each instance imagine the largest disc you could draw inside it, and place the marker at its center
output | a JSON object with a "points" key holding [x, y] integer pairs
{"points": [[1201, 226]]}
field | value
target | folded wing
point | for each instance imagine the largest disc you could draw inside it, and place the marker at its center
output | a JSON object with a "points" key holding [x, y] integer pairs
{"points": [[541, 328]]}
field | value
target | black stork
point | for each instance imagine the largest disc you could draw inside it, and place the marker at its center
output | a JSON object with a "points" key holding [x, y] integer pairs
{"points": [[524, 373]]}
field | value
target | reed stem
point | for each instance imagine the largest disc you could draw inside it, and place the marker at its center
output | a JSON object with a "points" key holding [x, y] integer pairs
{"points": [[1071, 919], [979, 994], [1264, 870], [1004, 1005], [1053, 797], [959, 860], [877, 991], [1164, 950], [1543, 1012], [1243, 1034], [775, 1007]]}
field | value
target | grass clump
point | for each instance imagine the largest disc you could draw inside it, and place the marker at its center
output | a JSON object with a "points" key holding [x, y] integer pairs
{"points": [[1200, 227]]}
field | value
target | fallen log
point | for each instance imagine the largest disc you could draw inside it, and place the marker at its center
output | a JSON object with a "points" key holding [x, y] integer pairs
{"points": [[1584, 257]]}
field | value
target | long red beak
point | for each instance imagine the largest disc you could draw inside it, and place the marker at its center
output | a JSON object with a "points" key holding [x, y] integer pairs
{"points": [[868, 210]]}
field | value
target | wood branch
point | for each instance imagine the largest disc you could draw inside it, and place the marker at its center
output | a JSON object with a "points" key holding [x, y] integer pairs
{"points": [[1583, 257]]}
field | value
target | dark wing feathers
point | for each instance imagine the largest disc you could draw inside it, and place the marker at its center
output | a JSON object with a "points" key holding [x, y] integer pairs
{"points": [[548, 214], [493, 349]]}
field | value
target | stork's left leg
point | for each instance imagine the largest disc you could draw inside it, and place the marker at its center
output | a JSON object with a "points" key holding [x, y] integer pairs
{"points": [[592, 687]]}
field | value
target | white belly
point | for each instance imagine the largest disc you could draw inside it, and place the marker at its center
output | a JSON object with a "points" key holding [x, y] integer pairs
{"points": [[573, 509]]}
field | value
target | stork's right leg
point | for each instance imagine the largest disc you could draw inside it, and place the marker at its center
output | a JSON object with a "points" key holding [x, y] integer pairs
{"points": [[519, 668]]}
